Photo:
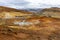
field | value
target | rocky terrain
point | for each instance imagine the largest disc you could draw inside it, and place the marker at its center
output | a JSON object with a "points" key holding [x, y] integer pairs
{"points": [[24, 25]]}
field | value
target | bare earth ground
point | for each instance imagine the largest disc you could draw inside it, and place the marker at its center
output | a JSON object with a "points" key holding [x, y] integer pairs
{"points": [[48, 29]]}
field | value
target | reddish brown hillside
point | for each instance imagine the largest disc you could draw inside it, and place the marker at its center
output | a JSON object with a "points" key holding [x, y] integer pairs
{"points": [[7, 9], [47, 29]]}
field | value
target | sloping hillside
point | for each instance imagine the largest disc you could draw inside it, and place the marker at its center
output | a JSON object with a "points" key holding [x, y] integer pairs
{"points": [[6, 12], [44, 28], [51, 12], [24, 25], [8, 9]]}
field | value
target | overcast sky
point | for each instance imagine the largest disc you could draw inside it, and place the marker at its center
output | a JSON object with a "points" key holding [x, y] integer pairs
{"points": [[30, 3]]}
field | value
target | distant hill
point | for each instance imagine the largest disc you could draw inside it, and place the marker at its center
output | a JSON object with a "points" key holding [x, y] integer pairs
{"points": [[33, 10], [51, 12], [52, 9]]}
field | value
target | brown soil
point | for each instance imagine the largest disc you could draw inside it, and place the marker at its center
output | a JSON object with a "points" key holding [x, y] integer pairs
{"points": [[48, 29]]}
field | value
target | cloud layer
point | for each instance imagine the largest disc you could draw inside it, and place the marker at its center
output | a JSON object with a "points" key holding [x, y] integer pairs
{"points": [[30, 3]]}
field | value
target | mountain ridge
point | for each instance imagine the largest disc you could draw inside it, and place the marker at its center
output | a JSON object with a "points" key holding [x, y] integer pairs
{"points": [[8, 9]]}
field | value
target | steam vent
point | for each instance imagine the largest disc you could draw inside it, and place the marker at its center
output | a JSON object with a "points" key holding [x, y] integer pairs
{"points": [[25, 25]]}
